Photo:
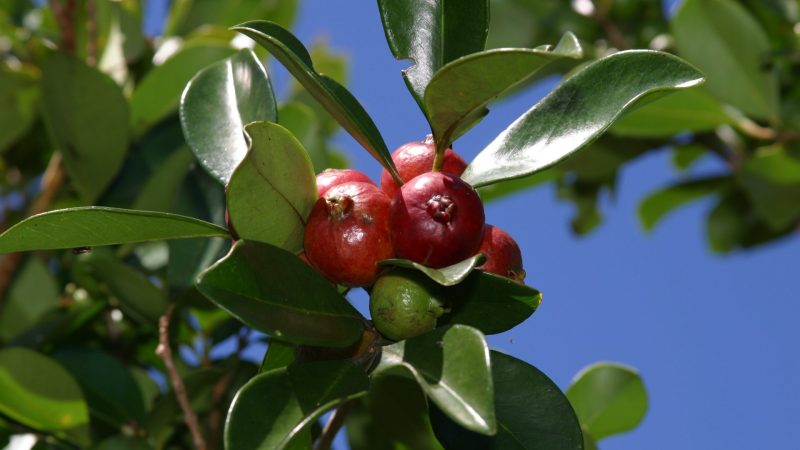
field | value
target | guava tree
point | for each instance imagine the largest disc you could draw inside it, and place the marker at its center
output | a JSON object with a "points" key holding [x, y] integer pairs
{"points": [[214, 226]]}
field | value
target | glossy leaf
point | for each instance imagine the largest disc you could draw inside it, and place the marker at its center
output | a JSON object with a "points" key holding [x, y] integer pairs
{"points": [[577, 112], [687, 110], [458, 93], [392, 416], [274, 410], [273, 291], [19, 92], [111, 391], [272, 191], [662, 202], [771, 181], [87, 116], [94, 225], [279, 354], [335, 98], [37, 392], [431, 34], [216, 105], [446, 276], [608, 399], [490, 303], [730, 46], [32, 294], [451, 364], [532, 413], [159, 93]]}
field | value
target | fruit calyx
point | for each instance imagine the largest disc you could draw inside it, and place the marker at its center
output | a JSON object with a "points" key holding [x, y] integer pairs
{"points": [[441, 208], [339, 206]]}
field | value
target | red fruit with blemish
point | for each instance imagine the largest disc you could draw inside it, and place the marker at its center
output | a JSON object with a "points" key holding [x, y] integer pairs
{"points": [[437, 220], [503, 256], [415, 158], [347, 233], [329, 178]]}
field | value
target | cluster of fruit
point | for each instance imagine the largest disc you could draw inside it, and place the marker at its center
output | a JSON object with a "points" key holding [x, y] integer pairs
{"points": [[434, 218]]}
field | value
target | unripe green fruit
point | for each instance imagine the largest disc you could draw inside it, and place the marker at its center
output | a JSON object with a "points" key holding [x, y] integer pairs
{"points": [[404, 304]]}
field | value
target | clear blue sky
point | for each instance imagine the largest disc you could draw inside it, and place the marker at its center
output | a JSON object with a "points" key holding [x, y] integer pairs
{"points": [[715, 337]]}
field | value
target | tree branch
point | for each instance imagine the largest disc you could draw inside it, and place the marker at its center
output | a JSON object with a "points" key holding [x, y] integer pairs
{"points": [[164, 352], [333, 426]]}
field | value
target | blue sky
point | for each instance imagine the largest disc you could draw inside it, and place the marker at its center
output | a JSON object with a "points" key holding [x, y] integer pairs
{"points": [[714, 337]]}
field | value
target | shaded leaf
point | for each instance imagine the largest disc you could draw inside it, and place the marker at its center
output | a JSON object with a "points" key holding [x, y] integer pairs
{"points": [[19, 92], [608, 399], [123, 443], [686, 110], [187, 15], [95, 225], [279, 354], [662, 202], [272, 191], [273, 291], [451, 364], [771, 181], [446, 276], [32, 294], [216, 105], [577, 112], [160, 191]]}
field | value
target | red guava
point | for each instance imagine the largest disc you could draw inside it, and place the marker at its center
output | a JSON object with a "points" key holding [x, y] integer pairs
{"points": [[503, 256], [416, 158], [329, 178]]}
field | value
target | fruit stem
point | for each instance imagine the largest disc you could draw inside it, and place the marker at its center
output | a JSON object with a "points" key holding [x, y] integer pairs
{"points": [[438, 159], [333, 426]]}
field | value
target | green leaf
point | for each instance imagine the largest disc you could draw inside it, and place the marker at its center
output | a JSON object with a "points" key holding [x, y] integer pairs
{"points": [[37, 392], [216, 105], [94, 225], [446, 276], [187, 16], [159, 93], [577, 112], [335, 98], [505, 188], [123, 443], [279, 354], [273, 291], [31, 295], [532, 413], [608, 399], [458, 93], [451, 364], [272, 191], [687, 110], [393, 416], [431, 34], [771, 180], [490, 303], [662, 202], [160, 191], [684, 156], [274, 410], [19, 92], [111, 391], [87, 117], [731, 47]]}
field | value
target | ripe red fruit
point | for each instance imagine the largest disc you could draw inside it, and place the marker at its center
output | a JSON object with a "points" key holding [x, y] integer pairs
{"points": [[329, 178], [416, 158], [347, 233], [503, 256], [437, 220]]}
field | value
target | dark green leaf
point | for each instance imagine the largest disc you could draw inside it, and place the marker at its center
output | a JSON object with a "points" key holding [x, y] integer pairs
{"points": [[393, 416], [684, 156], [490, 303], [608, 399], [94, 225], [216, 105], [160, 191], [336, 99], [451, 364], [279, 354], [123, 443], [272, 290], [159, 93], [771, 181], [532, 413], [187, 16], [662, 202], [458, 93], [272, 191], [731, 47], [32, 294], [687, 110], [87, 116], [19, 92], [446, 276], [111, 391], [275, 409], [36, 391], [577, 112], [431, 34]]}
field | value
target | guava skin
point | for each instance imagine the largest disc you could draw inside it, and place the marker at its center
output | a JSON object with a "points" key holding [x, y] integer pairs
{"points": [[329, 178], [347, 233], [503, 256], [404, 304], [436, 220], [415, 158]]}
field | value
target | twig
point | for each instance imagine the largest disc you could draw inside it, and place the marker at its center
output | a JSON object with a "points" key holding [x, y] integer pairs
{"points": [[333, 426], [164, 352], [216, 416], [65, 16], [615, 37], [91, 31]]}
